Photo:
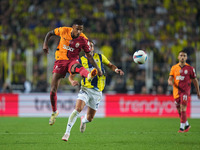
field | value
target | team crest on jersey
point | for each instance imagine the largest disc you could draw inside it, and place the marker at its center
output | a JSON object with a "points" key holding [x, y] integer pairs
{"points": [[96, 60], [185, 71], [77, 45]]}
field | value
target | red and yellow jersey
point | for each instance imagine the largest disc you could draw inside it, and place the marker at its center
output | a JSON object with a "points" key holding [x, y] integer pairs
{"points": [[182, 79], [69, 48]]}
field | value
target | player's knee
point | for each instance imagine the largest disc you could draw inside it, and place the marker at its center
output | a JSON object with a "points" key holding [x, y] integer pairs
{"points": [[76, 68], [183, 108], [53, 89]]}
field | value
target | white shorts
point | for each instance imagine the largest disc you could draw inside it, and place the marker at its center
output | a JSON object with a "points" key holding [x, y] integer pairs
{"points": [[91, 97]]}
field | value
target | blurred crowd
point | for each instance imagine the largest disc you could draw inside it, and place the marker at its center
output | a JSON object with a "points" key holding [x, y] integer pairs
{"points": [[118, 28]]}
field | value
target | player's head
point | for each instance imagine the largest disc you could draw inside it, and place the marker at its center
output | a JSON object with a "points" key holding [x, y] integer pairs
{"points": [[91, 43], [77, 28], [182, 56]]}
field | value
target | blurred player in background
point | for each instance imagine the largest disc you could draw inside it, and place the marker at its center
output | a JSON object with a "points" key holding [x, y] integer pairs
{"points": [[72, 41], [90, 93], [180, 77]]}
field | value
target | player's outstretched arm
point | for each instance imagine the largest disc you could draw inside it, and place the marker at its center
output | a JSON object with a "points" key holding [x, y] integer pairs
{"points": [[115, 69], [196, 85], [72, 81], [91, 60], [45, 44]]}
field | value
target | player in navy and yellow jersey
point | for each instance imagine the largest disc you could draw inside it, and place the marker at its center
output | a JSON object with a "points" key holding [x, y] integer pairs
{"points": [[91, 92], [180, 78], [72, 41]]}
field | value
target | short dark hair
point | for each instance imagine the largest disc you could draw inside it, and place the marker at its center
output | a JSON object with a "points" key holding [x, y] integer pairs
{"points": [[78, 22], [91, 41], [184, 51]]}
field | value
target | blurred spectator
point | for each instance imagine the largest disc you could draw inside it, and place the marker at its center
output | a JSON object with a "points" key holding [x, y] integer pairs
{"points": [[119, 28]]}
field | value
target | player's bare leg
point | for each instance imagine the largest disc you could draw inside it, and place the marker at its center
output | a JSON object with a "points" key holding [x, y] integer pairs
{"points": [[72, 118], [87, 118], [53, 96]]}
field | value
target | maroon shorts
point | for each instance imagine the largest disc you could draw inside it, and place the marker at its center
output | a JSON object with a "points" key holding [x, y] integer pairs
{"points": [[64, 66], [183, 99]]}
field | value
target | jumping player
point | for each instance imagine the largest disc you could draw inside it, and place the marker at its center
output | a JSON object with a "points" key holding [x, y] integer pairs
{"points": [[72, 41], [90, 93], [182, 74]]}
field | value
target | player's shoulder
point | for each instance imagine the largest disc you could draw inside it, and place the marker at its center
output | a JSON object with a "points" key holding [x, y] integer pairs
{"points": [[83, 36], [83, 57], [66, 29], [189, 66], [98, 55], [176, 66]]}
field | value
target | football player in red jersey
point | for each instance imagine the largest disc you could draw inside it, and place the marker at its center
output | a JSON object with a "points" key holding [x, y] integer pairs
{"points": [[180, 78], [72, 41]]}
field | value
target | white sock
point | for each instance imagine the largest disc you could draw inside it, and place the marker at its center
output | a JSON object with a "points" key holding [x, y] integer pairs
{"points": [[84, 120], [186, 123], [71, 121], [182, 126]]}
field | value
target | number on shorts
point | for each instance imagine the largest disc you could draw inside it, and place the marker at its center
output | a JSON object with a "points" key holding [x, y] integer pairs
{"points": [[184, 97]]}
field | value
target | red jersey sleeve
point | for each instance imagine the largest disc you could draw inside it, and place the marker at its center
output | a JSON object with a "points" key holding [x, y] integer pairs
{"points": [[193, 74], [86, 46]]}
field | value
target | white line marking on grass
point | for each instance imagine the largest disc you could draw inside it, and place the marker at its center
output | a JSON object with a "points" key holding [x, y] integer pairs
{"points": [[110, 133]]}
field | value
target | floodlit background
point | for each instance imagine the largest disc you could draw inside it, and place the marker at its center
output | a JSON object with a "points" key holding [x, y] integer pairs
{"points": [[118, 28], [137, 111]]}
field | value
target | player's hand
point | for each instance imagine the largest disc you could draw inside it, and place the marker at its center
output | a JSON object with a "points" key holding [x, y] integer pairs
{"points": [[74, 83], [198, 94], [170, 82], [119, 71], [45, 49], [100, 73]]}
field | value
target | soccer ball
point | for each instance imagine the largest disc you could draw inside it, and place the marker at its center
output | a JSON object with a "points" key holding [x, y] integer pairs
{"points": [[140, 57]]}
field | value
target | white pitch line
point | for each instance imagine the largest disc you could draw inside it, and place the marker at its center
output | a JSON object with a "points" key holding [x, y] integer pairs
{"points": [[33, 133]]}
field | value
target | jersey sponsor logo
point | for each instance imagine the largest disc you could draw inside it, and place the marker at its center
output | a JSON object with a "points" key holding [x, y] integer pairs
{"points": [[68, 48], [185, 71], [180, 78], [77, 45]]}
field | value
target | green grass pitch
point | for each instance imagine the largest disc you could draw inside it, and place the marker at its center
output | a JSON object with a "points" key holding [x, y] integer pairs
{"points": [[101, 134]]}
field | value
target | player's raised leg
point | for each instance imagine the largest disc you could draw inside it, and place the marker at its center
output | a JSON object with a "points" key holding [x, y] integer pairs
{"points": [[92, 74], [53, 96], [78, 68], [87, 118]]}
